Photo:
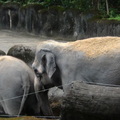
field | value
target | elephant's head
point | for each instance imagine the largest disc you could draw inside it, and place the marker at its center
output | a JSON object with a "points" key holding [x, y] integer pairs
{"points": [[46, 68]]}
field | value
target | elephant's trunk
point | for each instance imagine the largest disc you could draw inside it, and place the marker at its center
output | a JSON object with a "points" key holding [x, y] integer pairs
{"points": [[42, 97]]}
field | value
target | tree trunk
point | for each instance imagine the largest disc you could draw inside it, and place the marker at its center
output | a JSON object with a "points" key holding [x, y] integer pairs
{"points": [[10, 18], [107, 7], [91, 102], [98, 4], [95, 4]]}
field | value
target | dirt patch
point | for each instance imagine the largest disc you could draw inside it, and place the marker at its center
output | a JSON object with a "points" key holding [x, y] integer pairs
{"points": [[10, 38]]}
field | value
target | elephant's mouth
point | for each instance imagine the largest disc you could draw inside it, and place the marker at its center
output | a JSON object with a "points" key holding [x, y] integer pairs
{"points": [[38, 75]]}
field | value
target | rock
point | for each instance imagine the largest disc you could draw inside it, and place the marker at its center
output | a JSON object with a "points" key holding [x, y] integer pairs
{"points": [[50, 20], [91, 102], [25, 53], [2, 53], [55, 97]]}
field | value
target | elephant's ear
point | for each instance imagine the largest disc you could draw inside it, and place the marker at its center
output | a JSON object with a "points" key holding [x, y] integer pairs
{"points": [[50, 64], [48, 61]]}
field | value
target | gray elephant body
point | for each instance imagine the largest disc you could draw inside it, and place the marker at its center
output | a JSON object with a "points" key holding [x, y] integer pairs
{"points": [[91, 60], [18, 86]]}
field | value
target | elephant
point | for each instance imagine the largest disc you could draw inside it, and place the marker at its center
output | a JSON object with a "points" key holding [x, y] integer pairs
{"points": [[20, 89], [92, 60]]}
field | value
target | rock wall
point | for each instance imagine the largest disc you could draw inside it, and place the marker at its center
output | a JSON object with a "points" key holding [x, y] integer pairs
{"points": [[55, 21]]}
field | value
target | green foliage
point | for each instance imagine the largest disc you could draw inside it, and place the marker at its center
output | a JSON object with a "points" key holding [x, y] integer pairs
{"points": [[115, 18], [77, 4], [32, 1], [113, 12]]}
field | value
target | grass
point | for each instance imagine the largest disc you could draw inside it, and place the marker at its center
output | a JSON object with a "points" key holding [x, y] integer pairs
{"points": [[115, 18], [25, 118]]}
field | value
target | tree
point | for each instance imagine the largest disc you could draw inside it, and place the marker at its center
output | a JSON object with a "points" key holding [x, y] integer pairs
{"points": [[96, 4], [107, 7]]}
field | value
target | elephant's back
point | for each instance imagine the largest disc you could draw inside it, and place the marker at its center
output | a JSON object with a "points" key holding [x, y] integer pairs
{"points": [[93, 47], [13, 68], [11, 63]]}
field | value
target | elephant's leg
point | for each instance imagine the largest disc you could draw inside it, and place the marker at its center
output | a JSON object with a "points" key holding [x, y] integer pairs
{"points": [[12, 107], [2, 112], [12, 100]]}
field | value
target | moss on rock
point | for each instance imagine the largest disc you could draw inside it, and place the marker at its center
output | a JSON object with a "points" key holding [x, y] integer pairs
{"points": [[52, 8], [10, 5], [35, 6]]}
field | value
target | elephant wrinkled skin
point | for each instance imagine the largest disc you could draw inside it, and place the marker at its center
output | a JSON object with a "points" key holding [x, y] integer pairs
{"points": [[90, 60], [17, 81]]}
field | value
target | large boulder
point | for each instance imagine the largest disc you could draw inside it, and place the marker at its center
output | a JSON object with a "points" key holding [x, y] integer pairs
{"points": [[2, 53], [91, 102], [25, 53], [55, 97]]}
